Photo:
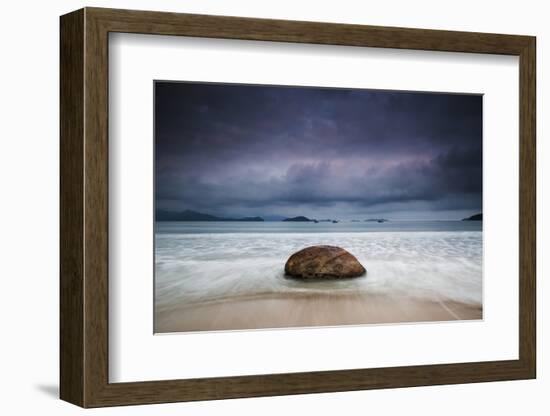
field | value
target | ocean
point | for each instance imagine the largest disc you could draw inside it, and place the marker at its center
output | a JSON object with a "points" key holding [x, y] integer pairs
{"points": [[201, 262]]}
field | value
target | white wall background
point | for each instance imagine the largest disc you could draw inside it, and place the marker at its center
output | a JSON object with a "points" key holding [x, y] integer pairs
{"points": [[29, 209]]}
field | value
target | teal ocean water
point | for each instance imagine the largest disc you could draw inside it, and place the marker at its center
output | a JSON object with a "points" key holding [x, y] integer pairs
{"points": [[206, 227], [199, 262]]}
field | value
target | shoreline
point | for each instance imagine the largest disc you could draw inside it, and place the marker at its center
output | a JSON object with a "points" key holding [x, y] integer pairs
{"points": [[308, 310]]}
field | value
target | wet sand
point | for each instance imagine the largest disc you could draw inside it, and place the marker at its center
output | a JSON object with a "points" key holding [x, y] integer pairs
{"points": [[273, 311]]}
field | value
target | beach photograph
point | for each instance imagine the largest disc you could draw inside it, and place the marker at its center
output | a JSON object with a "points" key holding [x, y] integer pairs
{"points": [[296, 207]]}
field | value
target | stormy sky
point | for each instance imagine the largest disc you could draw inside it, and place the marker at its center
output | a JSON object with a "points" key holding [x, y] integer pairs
{"points": [[241, 150]]}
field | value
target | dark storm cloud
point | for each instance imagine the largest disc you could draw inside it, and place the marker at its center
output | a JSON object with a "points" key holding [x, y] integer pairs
{"points": [[257, 150]]}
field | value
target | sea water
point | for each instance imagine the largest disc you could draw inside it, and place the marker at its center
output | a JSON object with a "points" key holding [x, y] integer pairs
{"points": [[198, 262]]}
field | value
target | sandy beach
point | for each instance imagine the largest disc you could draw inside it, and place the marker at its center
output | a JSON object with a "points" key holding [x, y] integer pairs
{"points": [[307, 310]]}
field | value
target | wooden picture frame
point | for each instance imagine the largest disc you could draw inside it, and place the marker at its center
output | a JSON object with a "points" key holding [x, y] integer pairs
{"points": [[84, 207]]}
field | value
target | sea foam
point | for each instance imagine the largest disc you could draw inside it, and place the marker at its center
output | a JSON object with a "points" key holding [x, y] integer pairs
{"points": [[438, 266]]}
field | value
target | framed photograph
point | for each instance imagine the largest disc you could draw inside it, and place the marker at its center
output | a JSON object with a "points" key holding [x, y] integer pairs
{"points": [[255, 207]]}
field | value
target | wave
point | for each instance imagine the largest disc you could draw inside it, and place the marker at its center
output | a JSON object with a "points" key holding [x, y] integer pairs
{"points": [[195, 268]]}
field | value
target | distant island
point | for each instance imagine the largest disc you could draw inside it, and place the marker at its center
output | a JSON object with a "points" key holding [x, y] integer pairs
{"points": [[301, 218], [189, 215], [476, 217]]}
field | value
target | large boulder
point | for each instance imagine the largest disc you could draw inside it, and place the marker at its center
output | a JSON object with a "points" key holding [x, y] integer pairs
{"points": [[322, 262]]}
